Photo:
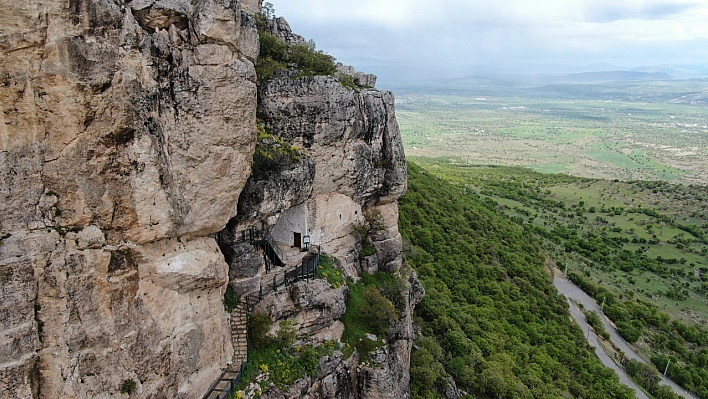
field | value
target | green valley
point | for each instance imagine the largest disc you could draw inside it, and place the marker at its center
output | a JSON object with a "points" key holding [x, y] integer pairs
{"points": [[636, 130], [641, 247], [491, 318], [605, 182]]}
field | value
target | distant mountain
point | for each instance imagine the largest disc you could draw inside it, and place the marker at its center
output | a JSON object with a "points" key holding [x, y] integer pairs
{"points": [[587, 77], [681, 71]]}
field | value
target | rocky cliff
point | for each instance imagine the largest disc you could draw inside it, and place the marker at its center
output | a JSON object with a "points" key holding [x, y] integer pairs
{"points": [[127, 138]]}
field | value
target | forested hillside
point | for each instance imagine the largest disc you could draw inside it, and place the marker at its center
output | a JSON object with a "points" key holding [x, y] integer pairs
{"points": [[491, 319]]}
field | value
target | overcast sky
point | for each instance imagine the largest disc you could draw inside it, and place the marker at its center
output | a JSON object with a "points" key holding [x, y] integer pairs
{"points": [[449, 37]]}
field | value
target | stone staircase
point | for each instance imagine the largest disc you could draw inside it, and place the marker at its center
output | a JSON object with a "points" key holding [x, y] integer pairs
{"points": [[239, 337]]}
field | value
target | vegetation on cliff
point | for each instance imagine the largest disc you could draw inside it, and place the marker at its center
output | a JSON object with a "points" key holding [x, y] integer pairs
{"points": [[635, 246], [276, 55], [491, 318], [370, 310], [272, 155]]}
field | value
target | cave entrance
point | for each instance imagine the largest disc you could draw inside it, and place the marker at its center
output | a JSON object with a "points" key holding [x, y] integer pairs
{"points": [[297, 240]]}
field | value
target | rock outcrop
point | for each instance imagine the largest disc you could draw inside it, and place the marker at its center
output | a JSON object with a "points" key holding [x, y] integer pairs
{"points": [[127, 140], [126, 135], [351, 140], [360, 78]]}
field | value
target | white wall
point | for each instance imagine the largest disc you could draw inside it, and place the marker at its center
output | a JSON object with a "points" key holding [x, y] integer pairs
{"points": [[294, 220]]}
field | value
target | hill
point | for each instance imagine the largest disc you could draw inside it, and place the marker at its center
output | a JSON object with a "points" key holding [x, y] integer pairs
{"points": [[638, 247], [614, 76], [492, 324]]}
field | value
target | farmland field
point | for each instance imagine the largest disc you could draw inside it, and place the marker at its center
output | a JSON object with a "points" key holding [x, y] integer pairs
{"points": [[626, 131]]}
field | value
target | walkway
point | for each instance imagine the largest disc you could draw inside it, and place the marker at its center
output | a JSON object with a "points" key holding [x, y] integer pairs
{"points": [[572, 291], [296, 265]]}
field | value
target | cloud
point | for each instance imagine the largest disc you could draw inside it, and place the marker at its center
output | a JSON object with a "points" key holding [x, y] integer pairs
{"points": [[615, 11], [453, 34]]}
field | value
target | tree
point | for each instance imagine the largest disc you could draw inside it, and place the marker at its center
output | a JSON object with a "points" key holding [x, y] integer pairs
{"points": [[268, 10], [372, 224], [378, 309], [258, 327]]}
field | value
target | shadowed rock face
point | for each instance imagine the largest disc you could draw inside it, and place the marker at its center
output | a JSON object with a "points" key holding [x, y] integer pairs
{"points": [[127, 130]]}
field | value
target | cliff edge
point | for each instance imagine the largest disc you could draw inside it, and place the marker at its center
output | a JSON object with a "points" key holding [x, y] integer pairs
{"points": [[129, 152]]}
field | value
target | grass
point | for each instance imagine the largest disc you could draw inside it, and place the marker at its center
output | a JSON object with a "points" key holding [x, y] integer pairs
{"points": [[609, 131], [614, 158]]}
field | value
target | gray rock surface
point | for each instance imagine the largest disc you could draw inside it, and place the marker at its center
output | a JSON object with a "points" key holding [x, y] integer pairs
{"points": [[280, 28], [361, 79], [280, 191], [353, 138], [314, 305], [243, 260], [126, 135]]}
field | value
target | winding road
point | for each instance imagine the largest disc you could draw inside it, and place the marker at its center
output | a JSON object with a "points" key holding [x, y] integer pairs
{"points": [[572, 291]]}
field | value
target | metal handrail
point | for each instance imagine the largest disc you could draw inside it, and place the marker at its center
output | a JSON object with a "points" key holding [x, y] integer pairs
{"points": [[269, 239], [230, 388], [249, 235], [301, 272]]}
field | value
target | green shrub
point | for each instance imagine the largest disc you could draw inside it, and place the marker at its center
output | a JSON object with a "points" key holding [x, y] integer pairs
{"points": [[231, 301], [368, 312], [645, 375], [379, 310], [287, 333], [392, 290], [311, 62], [284, 365], [596, 322], [258, 326], [629, 332], [272, 155], [372, 224], [276, 55], [348, 82], [326, 270], [367, 250], [128, 386]]}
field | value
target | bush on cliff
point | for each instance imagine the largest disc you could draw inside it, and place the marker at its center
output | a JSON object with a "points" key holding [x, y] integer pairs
{"points": [[369, 311], [276, 55], [272, 155], [258, 326]]}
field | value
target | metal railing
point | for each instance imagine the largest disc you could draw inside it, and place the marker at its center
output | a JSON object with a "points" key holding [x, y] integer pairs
{"points": [[250, 235], [271, 245], [225, 386], [226, 237], [305, 270]]}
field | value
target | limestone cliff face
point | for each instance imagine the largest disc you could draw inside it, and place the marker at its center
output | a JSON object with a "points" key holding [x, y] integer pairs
{"points": [[354, 142], [350, 141], [126, 135]]}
